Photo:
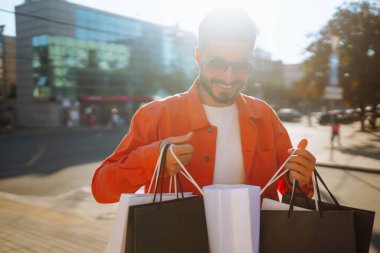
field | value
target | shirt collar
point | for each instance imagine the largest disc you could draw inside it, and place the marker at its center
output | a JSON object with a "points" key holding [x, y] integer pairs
{"points": [[198, 116]]}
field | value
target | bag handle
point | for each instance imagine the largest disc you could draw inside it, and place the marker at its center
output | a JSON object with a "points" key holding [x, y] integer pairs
{"points": [[275, 177], [156, 171], [160, 168], [184, 171], [162, 171], [317, 203], [317, 175], [156, 174]]}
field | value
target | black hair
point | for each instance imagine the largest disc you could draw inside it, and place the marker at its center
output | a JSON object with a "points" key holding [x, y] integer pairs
{"points": [[228, 23]]}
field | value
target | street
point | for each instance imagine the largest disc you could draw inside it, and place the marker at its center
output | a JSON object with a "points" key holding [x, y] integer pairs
{"points": [[53, 162], [45, 178]]}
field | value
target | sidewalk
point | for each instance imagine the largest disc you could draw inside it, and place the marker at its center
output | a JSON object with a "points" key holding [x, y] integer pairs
{"points": [[358, 149], [74, 222], [71, 222]]}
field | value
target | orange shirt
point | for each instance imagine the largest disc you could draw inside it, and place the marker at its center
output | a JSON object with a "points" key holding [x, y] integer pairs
{"points": [[265, 143]]}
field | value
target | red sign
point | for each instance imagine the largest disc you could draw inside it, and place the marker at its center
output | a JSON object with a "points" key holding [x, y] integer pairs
{"points": [[116, 98]]}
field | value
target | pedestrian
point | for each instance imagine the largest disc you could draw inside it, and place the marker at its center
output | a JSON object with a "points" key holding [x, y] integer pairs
{"points": [[335, 130], [115, 117], [219, 134], [7, 124]]}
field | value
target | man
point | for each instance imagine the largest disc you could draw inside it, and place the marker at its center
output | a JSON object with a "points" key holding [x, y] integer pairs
{"points": [[222, 136]]}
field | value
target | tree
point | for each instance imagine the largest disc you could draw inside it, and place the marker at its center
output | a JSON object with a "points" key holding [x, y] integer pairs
{"points": [[358, 27]]}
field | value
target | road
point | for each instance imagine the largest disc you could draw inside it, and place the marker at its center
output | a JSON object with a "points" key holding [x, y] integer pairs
{"points": [[51, 162]]}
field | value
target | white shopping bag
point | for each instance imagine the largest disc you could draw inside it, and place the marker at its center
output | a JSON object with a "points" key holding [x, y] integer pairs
{"points": [[233, 218], [116, 242], [270, 204]]}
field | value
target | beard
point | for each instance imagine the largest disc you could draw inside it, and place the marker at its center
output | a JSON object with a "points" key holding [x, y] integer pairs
{"points": [[227, 97]]}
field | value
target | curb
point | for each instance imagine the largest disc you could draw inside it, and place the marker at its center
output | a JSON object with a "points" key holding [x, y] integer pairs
{"points": [[348, 167]]}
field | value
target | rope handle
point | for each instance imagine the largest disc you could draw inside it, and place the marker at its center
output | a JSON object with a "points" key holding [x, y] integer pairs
{"points": [[156, 171], [275, 177], [183, 171]]}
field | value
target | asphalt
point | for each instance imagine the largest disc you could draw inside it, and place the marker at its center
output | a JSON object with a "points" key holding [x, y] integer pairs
{"points": [[74, 222]]}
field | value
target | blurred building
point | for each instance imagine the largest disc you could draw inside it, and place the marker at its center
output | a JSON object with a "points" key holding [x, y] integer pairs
{"points": [[267, 77], [292, 73], [265, 69], [71, 57]]}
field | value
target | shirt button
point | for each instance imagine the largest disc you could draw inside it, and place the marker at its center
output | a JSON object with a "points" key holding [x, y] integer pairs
{"points": [[207, 158], [209, 129]]}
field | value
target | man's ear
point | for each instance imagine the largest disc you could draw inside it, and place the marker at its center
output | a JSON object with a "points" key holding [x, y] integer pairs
{"points": [[197, 57]]}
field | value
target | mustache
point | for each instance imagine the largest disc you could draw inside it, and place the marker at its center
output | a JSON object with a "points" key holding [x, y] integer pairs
{"points": [[214, 80]]}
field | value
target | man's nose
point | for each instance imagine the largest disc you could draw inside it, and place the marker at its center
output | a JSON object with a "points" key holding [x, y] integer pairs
{"points": [[229, 75]]}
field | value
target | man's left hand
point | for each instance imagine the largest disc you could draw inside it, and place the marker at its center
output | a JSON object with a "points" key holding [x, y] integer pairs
{"points": [[301, 165]]}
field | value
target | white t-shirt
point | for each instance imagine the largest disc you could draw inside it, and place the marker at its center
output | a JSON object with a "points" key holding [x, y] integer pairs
{"points": [[229, 164]]}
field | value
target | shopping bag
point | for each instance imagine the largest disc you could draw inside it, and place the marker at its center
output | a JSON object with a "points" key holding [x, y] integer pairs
{"points": [[173, 226], [116, 241], [168, 227], [306, 231], [233, 218], [363, 219], [270, 204]]}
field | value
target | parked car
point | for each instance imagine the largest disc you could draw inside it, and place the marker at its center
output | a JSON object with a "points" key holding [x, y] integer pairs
{"points": [[325, 118], [369, 110], [289, 114], [353, 114]]}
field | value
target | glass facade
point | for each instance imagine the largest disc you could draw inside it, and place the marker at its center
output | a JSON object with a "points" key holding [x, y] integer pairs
{"points": [[68, 67], [95, 59], [100, 26], [106, 54], [144, 38]]}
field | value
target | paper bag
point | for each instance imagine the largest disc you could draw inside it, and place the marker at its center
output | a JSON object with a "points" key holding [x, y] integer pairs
{"points": [[233, 218], [116, 242]]}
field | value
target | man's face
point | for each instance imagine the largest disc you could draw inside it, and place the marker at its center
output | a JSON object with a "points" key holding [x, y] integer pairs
{"points": [[224, 71]]}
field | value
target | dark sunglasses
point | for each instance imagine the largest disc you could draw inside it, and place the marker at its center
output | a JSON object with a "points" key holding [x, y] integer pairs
{"points": [[219, 65]]}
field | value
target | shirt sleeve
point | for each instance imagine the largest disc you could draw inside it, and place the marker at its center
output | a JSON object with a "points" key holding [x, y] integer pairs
{"points": [[132, 164]]}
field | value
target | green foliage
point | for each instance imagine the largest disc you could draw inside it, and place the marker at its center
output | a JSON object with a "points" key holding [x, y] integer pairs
{"points": [[358, 27]]}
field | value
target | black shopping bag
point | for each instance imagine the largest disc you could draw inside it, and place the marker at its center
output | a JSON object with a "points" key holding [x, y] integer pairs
{"points": [[363, 219], [323, 231], [167, 226], [307, 232]]}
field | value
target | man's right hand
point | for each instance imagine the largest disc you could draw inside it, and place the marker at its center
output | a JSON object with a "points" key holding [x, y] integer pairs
{"points": [[181, 149]]}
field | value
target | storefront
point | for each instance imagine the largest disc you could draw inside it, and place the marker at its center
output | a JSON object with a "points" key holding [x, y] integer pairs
{"points": [[103, 108]]}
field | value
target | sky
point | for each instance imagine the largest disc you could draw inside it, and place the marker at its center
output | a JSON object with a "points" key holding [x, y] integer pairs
{"points": [[284, 25]]}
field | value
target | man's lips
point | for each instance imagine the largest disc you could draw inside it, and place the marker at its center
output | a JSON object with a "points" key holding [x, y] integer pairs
{"points": [[224, 86]]}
